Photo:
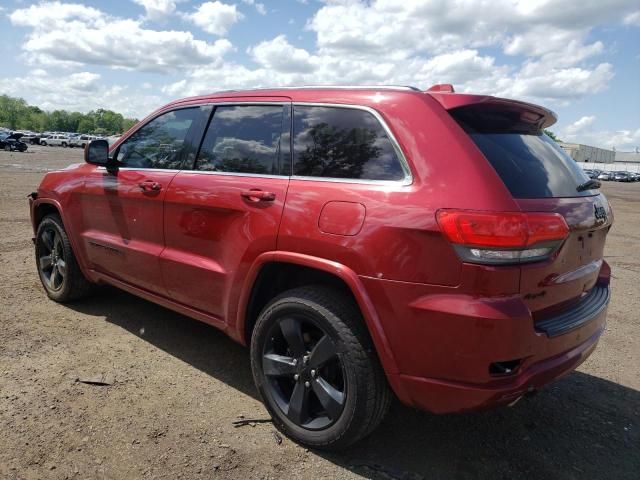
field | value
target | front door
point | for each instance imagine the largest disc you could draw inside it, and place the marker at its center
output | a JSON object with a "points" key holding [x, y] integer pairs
{"points": [[226, 211], [123, 209]]}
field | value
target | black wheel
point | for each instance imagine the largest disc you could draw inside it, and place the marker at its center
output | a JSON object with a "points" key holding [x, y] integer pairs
{"points": [[7, 148], [315, 367], [64, 144], [43, 143], [57, 266]]}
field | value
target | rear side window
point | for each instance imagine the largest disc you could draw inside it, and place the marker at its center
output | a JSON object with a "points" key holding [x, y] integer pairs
{"points": [[243, 139], [530, 164], [347, 143]]}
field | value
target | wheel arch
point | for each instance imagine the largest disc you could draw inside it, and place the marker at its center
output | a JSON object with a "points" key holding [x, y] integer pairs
{"points": [[43, 207], [315, 270], [40, 208]]}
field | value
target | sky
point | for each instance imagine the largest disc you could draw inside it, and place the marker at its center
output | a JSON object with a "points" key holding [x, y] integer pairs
{"points": [[581, 58]]}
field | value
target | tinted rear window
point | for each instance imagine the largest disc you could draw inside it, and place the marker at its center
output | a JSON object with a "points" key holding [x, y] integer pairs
{"points": [[243, 139], [530, 164], [348, 143]]}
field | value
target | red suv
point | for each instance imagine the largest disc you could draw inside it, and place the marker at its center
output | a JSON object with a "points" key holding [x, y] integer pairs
{"points": [[362, 241]]}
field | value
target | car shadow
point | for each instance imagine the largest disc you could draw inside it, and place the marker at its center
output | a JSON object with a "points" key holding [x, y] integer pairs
{"points": [[579, 427]]}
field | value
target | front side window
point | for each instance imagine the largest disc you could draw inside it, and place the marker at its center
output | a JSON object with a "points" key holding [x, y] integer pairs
{"points": [[161, 142], [243, 139], [347, 143]]}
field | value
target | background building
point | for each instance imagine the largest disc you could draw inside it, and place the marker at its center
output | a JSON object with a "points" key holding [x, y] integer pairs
{"points": [[588, 154]]}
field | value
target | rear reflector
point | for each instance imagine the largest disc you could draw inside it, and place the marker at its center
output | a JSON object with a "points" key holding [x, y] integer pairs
{"points": [[502, 237]]}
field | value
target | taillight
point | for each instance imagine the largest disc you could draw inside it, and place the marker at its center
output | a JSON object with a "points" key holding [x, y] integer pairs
{"points": [[502, 237]]}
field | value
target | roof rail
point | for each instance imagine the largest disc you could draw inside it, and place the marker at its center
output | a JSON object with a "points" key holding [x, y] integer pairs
{"points": [[328, 87]]}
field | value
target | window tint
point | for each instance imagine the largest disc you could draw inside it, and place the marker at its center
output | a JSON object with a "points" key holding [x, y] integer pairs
{"points": [[161, 142], [337, 142], [530, 164], [243, 139]]}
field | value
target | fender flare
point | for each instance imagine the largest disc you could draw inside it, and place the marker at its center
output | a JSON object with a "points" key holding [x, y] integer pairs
{"points": [[72, 239], [350, 278]]}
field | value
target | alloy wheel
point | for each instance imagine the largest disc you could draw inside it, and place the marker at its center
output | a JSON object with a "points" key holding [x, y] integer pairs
{"points": [[304, 373], [51, 261]]}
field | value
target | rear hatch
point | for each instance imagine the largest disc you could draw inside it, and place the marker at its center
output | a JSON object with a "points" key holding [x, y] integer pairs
{"points": [[543, 179]]}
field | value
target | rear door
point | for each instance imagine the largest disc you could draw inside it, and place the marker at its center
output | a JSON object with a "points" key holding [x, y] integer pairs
{"points": [[543, 178], [123, 210], [226, 211]]}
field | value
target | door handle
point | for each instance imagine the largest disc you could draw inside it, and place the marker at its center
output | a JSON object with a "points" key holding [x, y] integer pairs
{"points": [[256, 195], [150, 186]]}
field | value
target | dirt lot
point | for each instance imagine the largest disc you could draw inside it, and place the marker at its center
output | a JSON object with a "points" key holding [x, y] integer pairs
{"points": [[180, 384]]}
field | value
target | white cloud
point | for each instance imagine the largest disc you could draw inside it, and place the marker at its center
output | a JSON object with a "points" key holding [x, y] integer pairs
{"points": [[583, 131], [280, 56], [215, 17], [157, 10], [537, 82], [73, 35], [621, 140], [81, 91], [261, 9], [550, 53], [579, 126], [633, 19]]}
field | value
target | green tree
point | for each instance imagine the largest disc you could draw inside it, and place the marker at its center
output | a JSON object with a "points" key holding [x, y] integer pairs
{"points": [[552, 135], [16, 114]]}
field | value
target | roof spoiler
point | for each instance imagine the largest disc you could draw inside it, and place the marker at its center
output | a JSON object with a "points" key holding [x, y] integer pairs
{"points": [[530, 112], [441, 88]]}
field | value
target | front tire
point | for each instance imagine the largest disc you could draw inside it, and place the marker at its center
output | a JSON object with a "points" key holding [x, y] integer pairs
{"points": [[58, 268], [316, 369]]}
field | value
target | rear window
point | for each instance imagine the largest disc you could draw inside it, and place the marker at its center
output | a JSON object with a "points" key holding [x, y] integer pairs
{"points": [[530, 164], [346, 143]]}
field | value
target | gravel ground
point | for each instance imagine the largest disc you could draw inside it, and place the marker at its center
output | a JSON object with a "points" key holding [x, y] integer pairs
{"points": [[179, 385]]}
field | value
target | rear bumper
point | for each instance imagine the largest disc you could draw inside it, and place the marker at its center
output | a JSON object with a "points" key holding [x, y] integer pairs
{"points": [[440, 396], [445, 344]]}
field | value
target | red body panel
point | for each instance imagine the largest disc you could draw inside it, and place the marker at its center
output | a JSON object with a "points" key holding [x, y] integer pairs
{"points": [[213, 235], [198, 243]]}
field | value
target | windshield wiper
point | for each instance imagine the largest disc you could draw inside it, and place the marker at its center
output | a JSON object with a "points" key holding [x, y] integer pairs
{"points": [[588, 185]]}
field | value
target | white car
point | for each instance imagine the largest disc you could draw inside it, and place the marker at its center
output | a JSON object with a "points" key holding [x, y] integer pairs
{"points": [[56, 140], [81, 140]]}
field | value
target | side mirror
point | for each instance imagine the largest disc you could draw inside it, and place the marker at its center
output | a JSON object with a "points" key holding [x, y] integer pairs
{"points": [[97, 153]]}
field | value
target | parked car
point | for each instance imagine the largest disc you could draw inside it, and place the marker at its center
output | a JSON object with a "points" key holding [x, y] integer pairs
{"points": [[622, 177], [330, 230], [112, 139], [30, 137], [56, 140], [11, 142], [81, 140], [593, 173], [606, 176]]}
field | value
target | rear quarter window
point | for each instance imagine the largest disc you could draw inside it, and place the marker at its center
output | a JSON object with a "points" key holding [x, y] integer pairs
{"points": [[343, 143]]}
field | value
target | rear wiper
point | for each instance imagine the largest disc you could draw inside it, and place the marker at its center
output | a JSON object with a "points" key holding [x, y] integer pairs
{"points": [[588, 185]]}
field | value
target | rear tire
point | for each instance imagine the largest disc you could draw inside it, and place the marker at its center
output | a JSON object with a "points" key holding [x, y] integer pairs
{"points": [[321, 382], [57, 266]]}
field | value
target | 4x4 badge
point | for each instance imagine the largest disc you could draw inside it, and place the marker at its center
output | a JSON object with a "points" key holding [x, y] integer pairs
{"points": [[600, 212]]}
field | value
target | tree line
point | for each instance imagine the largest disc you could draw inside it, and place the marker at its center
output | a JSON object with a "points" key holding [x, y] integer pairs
{"points": [[17, 114]]}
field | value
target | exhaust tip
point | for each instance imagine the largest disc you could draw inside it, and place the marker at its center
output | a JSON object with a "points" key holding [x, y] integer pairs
{"points": [[501, 369]]}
